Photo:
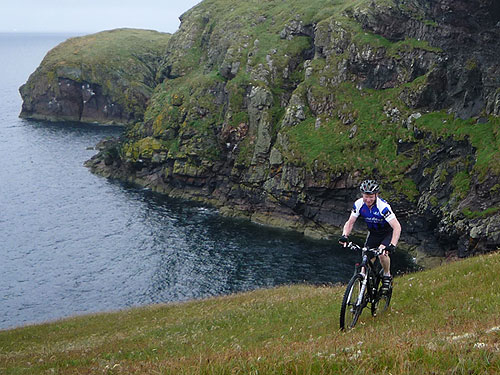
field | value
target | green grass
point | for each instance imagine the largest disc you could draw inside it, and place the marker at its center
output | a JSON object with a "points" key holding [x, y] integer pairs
{"points": [[441, 321], [461, 184], [331, 144], [114, 44], [470, 214], [373, 146], [484, 137], [114, 54], [365, 38]]}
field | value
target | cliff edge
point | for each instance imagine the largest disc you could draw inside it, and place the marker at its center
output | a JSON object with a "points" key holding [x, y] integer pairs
{"points": [[275, 111], [106, 78]]}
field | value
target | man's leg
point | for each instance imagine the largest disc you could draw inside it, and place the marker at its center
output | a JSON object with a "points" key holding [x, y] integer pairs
{"points": [[375, 240], [385, 261]]}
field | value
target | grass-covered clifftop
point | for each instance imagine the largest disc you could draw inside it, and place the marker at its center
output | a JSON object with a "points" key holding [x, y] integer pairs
{"points": [[106, 77], [441, 321]]}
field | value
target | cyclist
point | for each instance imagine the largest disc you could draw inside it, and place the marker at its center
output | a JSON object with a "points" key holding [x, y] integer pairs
{"points": [[384, 228]]}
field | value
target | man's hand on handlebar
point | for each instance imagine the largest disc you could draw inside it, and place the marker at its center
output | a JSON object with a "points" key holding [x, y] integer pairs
{"points": [[343, 240], [391, 248], [387, 249]]}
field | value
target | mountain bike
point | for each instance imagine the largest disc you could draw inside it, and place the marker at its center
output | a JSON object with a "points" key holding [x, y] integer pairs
{"points": [[365, 287]]}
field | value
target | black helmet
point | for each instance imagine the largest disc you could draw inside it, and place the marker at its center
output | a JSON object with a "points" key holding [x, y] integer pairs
{"points": [[369, 187]]}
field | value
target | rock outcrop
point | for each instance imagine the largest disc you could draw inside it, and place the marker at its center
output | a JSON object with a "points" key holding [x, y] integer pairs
{"points": [[276, 111], [106, 78]]}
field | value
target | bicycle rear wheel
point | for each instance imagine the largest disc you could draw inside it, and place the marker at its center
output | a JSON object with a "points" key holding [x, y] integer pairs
{"points": [[349, 312]]}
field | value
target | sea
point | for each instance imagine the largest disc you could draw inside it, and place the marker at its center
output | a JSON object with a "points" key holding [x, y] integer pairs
{"points": [[74, 243]]}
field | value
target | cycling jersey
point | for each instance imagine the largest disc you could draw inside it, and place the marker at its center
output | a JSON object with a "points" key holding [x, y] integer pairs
{"points": [[377, 218]]}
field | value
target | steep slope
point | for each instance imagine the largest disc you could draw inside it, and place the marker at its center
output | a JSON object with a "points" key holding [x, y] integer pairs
{"points": [[441, 321], [276, 110], [106, 77]]}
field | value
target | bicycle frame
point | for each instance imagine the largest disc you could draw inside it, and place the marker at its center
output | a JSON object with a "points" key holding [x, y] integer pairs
{"points": [[366, 269]]}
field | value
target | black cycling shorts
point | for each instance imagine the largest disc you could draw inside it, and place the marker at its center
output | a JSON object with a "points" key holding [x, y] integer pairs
{"points": [[374, 240]]}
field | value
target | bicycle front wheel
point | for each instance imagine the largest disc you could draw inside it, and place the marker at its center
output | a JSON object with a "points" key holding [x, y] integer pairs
{"points": [[349, 312]]}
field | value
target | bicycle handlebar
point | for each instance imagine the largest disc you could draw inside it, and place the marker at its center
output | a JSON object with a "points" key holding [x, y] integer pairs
{"points": [[354, 246]]}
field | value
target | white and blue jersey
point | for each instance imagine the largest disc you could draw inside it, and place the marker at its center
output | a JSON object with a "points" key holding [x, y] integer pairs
{"points": [[377, 218]]}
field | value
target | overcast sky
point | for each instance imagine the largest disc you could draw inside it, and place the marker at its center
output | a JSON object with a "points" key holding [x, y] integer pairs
{"points": [[89, 16]]}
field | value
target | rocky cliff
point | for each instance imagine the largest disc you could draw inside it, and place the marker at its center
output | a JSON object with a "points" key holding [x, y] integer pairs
{"points": [[276, 111], [106, 78]]}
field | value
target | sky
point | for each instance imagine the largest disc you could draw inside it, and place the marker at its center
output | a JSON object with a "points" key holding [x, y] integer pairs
{"points": [[90, 16]]}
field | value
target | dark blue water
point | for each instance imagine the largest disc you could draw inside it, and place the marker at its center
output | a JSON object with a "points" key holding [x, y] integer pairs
{"points": [[73, 242]]}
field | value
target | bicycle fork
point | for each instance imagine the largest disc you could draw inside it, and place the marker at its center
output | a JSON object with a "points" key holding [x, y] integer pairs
{"points": [[363, 287]]}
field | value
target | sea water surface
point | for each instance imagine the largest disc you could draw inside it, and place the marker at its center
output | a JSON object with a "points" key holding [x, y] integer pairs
{"points": [[73, 242]]}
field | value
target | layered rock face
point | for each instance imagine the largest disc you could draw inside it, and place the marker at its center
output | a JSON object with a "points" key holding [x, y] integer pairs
{"points": [[467, 31], [277, 112], [106, 78]]}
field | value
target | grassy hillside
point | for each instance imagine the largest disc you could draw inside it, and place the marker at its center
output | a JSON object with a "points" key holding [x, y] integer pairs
{"points": [[444, 320]]}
